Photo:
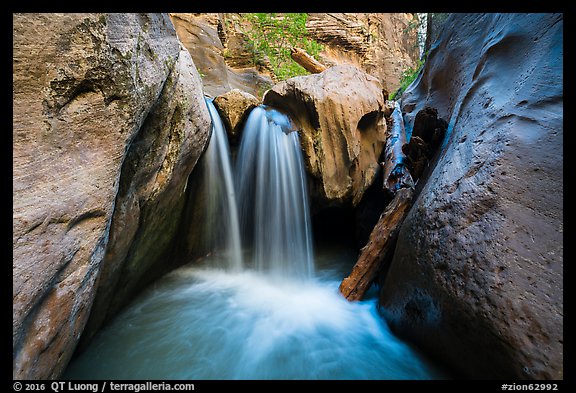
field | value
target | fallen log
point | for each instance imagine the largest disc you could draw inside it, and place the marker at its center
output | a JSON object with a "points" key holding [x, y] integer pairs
{"points": [[399, 183], [427, 136], [309, 63], [396, 173], [400, 159], [382, 242]]}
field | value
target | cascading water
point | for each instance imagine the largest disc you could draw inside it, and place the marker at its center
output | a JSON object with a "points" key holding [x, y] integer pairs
{"points": [[207, 321], [272, 196], [221, 218]]}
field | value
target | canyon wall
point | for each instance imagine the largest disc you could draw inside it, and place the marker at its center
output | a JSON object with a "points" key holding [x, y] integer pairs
{"points": [[477, 277]]}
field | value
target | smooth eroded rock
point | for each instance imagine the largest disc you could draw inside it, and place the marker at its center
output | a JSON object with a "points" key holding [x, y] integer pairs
{"points": [[381, 44], [151, 194], [342, 130], [204, 37], [477, 277], [234, 106], [83, 85]]}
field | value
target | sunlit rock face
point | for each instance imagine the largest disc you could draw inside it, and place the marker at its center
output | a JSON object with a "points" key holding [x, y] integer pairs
{"points": [[234, 107], [219, 54], [339, 113], [477, 275], [381, 44]]}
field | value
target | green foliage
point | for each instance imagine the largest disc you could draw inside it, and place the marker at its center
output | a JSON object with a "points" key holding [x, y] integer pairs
{"points": [[270, 38], [408, 76], [413, 24]]}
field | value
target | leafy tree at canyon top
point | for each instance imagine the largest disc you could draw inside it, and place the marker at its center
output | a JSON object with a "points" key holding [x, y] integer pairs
{"points": [[271, 37]]}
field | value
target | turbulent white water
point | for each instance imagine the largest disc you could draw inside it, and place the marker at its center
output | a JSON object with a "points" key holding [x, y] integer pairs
{"points": [[205, 323], [272, 196], [221, 219], [278, 317]]}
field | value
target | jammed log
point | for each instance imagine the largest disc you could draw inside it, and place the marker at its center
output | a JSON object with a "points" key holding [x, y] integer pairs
{"points": [[382, 242], [427, 136], [402, 160], [309, 63], [417, 156], [396, 173], [397, 182]]}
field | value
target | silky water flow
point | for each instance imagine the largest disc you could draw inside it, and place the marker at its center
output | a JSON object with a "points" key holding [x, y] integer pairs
{"points": [[257, 307]]}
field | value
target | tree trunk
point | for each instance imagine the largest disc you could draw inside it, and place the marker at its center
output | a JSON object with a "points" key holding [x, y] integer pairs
{"points": [[396, 173], [397, 182], [309, 63], [382, 242]]}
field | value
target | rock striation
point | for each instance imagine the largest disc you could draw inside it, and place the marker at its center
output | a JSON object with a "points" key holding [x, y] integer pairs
{"points": [[95, 96], [381, 44], [222, 68]]}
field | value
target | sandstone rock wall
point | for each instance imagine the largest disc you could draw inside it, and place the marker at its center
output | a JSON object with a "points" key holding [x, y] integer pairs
{"points": [[84, 88], [202, 35], [477, 277], [381, 44], [151, 194]]}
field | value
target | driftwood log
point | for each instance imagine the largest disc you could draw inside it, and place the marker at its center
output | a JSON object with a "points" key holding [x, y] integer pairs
{"points": [[309, 63], [382, 241], [396, 173], [399, 160], [398, 182]]}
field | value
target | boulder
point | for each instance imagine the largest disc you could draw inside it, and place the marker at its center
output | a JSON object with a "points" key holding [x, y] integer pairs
{"points": [[83, 88], [342, 130], [234, 106], [477, 275]]}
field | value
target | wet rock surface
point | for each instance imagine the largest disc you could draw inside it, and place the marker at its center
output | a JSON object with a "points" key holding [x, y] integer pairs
{"points": [[234, 107]]}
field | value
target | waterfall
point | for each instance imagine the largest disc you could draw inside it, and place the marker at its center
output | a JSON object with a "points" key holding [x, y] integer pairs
{"points": [[422, 31], [241, 322], [272, 196], [221, 221]]}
